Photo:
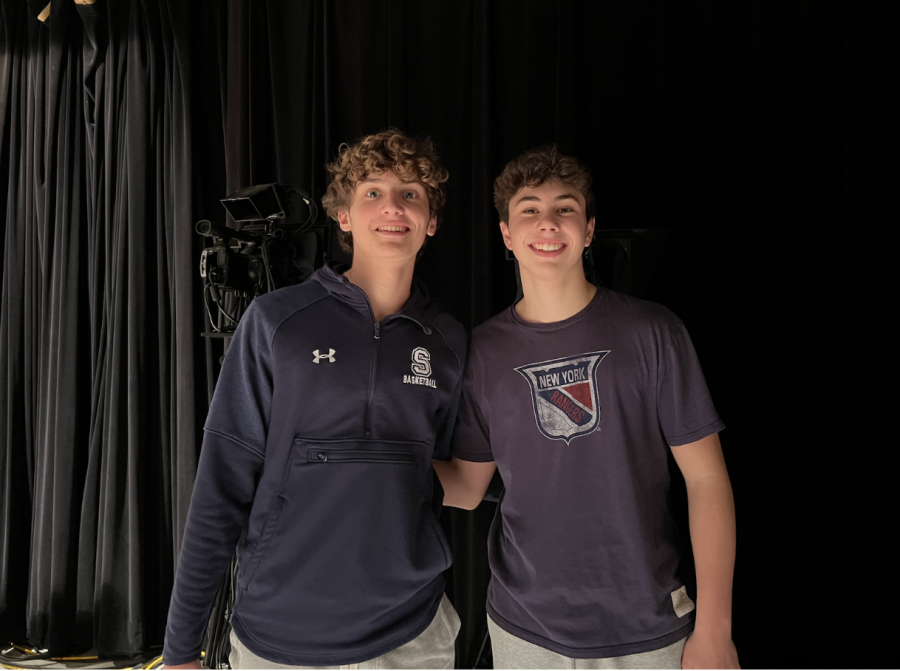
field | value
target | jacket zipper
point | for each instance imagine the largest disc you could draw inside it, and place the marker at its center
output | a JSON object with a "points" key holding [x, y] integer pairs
{"points": [[376, 349], [373, 370], [373, 375], [327, 456]]}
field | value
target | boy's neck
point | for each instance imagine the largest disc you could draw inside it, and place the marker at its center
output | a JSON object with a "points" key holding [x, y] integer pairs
{"points": [[550, 301], [387, 286]]}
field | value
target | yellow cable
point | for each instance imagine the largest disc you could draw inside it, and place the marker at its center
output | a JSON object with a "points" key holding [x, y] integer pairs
{"points": [[54, 659], [25, 650]]}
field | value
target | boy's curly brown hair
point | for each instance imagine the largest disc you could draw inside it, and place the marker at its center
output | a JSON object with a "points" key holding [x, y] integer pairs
{"points": [[537, 166], [411, 159]]}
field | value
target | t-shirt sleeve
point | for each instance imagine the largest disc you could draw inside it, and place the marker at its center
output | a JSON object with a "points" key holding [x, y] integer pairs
{"points": [[472, 437], [684, 406]]}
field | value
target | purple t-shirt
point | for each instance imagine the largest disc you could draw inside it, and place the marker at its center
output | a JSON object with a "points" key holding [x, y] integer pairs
{"points": [[579, 416]]}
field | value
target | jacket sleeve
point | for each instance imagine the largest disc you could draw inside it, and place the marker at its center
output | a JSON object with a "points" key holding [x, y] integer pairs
{"points": [[231, 461], [455, 337]]}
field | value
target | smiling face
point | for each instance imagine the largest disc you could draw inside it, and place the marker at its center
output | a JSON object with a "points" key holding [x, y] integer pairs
{"points": [[388, 218], [548, 230]]}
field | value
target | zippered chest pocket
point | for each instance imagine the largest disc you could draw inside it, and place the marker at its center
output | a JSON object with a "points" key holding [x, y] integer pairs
{"points": [[325, 456]]}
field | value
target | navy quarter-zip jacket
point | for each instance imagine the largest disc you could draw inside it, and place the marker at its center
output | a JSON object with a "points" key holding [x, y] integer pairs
{"points": [[316, 465]]}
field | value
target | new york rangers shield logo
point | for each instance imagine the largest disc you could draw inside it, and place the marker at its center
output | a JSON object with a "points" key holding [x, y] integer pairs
{"points": [[565, 395]]}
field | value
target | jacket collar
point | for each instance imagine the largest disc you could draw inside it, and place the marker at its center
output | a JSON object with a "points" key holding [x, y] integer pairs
{"points": [[419, 307]]}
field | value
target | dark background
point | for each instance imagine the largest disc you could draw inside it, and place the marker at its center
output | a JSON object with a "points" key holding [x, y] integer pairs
{"points": [[728, 124]]}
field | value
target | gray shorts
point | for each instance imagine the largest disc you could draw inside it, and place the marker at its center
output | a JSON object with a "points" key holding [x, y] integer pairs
{"points": [[511, 652], [432, 649]]}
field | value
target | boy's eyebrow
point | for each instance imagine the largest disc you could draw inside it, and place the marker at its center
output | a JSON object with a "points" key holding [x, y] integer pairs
{"points": [[379, 180], [560, 197]]}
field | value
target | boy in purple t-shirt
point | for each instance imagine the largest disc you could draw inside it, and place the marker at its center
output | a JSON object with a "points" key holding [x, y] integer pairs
{"points": [[577, 394]]}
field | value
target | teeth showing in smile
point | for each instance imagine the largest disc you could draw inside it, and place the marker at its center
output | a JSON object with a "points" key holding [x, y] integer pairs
{"points": [[547, 246], [392, 229]]}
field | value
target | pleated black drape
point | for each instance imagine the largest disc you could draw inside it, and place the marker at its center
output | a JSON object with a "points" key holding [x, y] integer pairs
{"points": [[44, 402], [99, 410]]}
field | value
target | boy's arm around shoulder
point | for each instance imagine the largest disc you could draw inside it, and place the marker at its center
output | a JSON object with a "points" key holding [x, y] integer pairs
{"points": [[712, 524]]}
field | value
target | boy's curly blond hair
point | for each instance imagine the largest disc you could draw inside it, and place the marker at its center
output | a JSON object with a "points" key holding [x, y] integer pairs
{"points": [[411, 159]]}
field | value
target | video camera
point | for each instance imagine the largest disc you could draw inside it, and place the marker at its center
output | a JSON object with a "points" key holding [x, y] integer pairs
{"points": [[272, 244]]}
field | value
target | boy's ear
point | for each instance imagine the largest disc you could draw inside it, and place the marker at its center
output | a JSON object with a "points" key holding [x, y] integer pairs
{"points": [[343, 220], [589, 233], [504, 229], [432, 226]]}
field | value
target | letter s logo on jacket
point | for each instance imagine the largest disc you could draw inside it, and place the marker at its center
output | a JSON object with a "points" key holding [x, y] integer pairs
{"points": [[421, 362]]}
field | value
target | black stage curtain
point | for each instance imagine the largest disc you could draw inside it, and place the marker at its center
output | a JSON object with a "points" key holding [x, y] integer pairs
{"points": [[99, 413], [122, 124]]}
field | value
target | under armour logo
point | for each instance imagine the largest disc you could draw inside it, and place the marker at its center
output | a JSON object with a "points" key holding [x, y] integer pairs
{"points": [[319, 357]]}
